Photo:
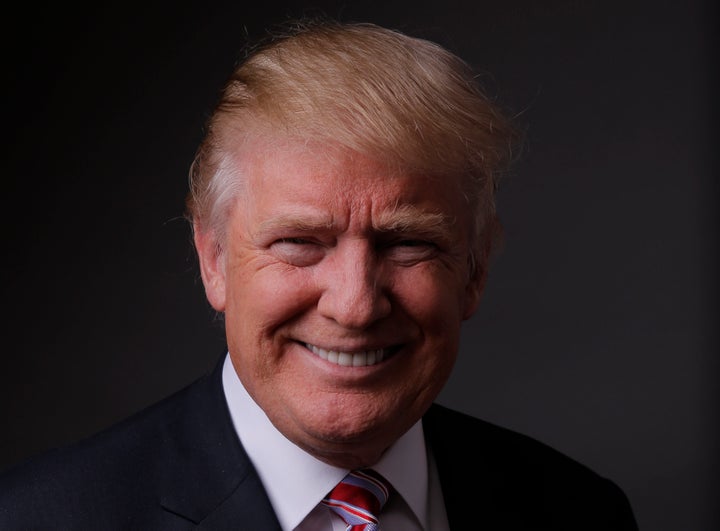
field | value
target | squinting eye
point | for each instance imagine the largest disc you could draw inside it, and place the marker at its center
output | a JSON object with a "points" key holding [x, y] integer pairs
{"points": [[298, 241], [413, 243], [297, 251], [411, 251]]}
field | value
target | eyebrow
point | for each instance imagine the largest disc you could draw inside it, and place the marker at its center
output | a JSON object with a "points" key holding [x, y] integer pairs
{"points": [[402, 219], [410, 219], [301, 223]]}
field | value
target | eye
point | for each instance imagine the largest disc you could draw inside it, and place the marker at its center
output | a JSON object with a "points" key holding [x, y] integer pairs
{"points": [[413, 243], [296, 241], [296, 251], [409, 251]]}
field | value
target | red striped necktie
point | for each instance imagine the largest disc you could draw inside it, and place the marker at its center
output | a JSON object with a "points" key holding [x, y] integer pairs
{"points": [[358, 499]]}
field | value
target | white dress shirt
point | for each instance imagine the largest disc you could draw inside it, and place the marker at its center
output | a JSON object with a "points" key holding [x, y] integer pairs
{"points": [[296, 482]]}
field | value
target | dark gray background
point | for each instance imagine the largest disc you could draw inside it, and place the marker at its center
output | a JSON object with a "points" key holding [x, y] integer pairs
{"points": [[598, 329]]}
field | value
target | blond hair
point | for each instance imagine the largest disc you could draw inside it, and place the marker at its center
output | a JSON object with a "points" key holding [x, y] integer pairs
{"points": [[405, 101]]}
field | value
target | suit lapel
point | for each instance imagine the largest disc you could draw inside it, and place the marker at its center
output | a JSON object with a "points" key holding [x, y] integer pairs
{"points": [[246, 509], [450, 468], [208, 478], [485, 472], [461, 453]]}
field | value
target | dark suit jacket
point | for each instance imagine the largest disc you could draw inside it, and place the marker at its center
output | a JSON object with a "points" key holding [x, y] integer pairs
{"points": [[180, 465]]}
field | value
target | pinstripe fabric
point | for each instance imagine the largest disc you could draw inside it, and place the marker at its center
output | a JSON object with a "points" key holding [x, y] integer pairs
{"points": [[358, 499]]}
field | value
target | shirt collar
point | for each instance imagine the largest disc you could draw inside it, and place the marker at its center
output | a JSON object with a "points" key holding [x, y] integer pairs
{"points": [[296, 483]]}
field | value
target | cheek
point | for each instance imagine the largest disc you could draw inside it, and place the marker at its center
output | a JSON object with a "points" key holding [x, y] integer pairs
{"points": [[433, 299], [259, 304], [260, 300], [435, 304]]}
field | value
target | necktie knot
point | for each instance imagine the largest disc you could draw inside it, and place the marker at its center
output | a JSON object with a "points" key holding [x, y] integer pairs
{"points": [[358, 499]]}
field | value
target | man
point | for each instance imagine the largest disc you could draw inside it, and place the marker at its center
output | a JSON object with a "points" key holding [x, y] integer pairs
{"points": [[343, 215]]}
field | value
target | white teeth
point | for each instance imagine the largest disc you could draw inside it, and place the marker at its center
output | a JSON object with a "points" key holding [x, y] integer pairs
{"points": [[349, 359], [359, 360]]}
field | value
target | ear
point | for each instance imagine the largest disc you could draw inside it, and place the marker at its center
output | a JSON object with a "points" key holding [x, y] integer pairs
{"points": [[473, 290], [479, 263], [212, 267]]}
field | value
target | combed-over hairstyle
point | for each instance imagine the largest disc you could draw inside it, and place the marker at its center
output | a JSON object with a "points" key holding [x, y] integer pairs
{"points": [[405, 101]]}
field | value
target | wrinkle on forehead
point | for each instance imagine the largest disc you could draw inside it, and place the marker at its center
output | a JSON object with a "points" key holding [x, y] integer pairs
{"points": [[408, 219], [331, 188]]}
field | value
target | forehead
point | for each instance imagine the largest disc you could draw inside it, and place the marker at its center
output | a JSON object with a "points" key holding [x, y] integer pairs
{"points": [[295, 164], [299, 183]]}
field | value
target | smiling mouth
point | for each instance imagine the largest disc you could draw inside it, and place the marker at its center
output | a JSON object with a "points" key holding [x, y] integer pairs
{"points": [[362, 358]]}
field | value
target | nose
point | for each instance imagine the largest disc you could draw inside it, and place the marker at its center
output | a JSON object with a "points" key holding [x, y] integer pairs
{"points": [[353, 287]]}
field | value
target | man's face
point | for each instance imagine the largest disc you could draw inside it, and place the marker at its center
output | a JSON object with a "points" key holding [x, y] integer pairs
{"points": [[344, 287]]}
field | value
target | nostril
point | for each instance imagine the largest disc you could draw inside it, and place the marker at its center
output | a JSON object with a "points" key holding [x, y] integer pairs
{"points": [[354, 309]]}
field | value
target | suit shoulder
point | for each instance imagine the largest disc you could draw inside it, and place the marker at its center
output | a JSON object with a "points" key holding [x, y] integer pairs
{"points": [[522, 479], [113, 470], [448, 428], [132, 435]]}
